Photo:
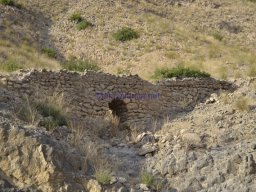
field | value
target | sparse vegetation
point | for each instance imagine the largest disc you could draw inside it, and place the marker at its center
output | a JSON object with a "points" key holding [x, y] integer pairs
{"points": [[252, 71], [172, 55], [81, 22], [80, 65], [10, 66], [103, 176], [217, 36], [52, 116], [126, 34], [242, 103], [114, 123], [27, 112], [83, 25], [178, 72], [147, 178], [53, 111], [49, 52], [76, 17], [123, 71]]}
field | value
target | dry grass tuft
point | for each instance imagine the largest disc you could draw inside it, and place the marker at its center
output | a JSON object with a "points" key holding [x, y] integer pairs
{"points": [[242, 103], [113, 122]]}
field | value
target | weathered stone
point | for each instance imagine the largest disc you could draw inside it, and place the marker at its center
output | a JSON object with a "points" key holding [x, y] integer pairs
{"points": [[94, 186]]}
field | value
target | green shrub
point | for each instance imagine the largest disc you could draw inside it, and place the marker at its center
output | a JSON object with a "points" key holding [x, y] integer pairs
{"points": [[76, 17], [178, 72], [10, 3], [103, 176], [10, 66], [49, 52], [126, 34], [83, 25], [253, 1], [80, 65]]}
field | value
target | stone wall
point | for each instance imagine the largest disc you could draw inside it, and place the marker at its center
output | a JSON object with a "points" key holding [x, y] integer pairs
{"points": [[92, 94]]}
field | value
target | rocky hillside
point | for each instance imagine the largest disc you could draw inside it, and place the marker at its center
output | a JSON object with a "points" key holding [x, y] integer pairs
{"points": [[213, 147], [216, 36]]}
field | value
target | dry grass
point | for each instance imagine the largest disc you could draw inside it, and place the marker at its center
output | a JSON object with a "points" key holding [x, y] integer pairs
{"points": [[24, 56], [89, 149], [103, 175], [134, 134], [27, 112], [113, 123], [242, 103], [224, 97]]}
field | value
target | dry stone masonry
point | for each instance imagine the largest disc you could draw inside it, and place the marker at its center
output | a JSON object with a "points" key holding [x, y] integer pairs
{"points": [[132, 99]]}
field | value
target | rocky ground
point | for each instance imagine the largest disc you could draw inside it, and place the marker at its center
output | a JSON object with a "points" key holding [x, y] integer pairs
{"points": [[211, 148]]}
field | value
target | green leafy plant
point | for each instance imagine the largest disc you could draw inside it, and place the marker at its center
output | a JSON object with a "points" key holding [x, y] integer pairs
{"points": [[126, 34], [103, 176], [49, 52], [178, 72], [83, 25], [80, 65]]}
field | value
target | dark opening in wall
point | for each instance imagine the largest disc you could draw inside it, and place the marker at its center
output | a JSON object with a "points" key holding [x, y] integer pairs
{"points": [[119, 108]]}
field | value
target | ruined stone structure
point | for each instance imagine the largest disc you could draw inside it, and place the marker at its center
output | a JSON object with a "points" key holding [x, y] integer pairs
{"points": [[132, 99]]}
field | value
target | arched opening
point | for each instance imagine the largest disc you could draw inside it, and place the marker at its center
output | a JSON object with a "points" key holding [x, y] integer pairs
{"points": [[119, 109]]}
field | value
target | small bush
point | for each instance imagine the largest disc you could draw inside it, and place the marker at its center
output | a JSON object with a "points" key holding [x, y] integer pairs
{"points": [[80, 65], [179, 72], [50, 111], [126, 34], [253, 1], [83, 25], [11, 3], [49, 52], [103, 176], [76, 17]]}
